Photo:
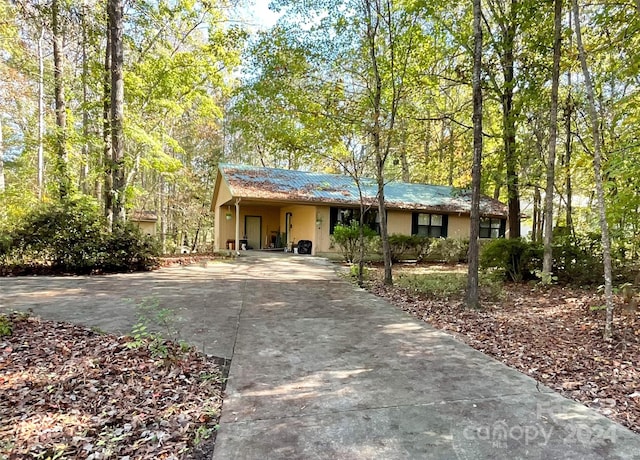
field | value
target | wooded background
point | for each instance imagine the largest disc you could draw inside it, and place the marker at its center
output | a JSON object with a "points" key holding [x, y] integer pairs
{"points": [[337, 85]]}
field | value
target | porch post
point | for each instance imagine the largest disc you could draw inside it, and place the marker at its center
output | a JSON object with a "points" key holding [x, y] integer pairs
{"points": [[237, 247]]}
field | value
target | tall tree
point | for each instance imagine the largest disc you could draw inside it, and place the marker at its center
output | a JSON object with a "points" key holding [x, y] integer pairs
{"points": [[2, 182], [117, 110], [41, 122], [597, 171], [84, 160], [473, 297], [106, 128], [506, 15], [373, 17], [553, 129], [60, 101]]}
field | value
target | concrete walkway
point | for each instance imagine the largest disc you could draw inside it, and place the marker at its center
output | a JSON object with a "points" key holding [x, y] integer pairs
{"points": [[323, 370]]}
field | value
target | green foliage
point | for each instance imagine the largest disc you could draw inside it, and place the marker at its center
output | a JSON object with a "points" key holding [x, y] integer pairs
{"points": [[366, 272], [406, 246], [436, 284], [578, 260], [512, 259], [449, 250], [6, 326], [70, 237], [347, 237], [67, 236], [126, 249], [151, 315], [447, 284]]}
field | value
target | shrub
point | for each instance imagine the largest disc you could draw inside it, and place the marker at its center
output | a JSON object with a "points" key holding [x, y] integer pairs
{"points": [[67, 236], [512, 259], [403, 246], [347, 237], [70, 237], [126, 249], [449, 250], [578, 260]]}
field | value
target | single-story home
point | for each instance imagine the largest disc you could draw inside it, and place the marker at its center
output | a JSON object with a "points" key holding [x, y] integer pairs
{"points": [[260, 208]]}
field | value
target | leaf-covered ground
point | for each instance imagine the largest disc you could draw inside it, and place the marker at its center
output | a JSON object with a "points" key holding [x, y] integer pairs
{"points": [[69, 392], [551, 334]]}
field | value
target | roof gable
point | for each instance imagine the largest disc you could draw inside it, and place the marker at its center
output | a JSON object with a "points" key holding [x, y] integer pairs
{"points": [[251, 182]]}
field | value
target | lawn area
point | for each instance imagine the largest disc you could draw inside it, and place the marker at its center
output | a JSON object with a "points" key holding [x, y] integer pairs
{"points": [[553, 334], [68, 391]]}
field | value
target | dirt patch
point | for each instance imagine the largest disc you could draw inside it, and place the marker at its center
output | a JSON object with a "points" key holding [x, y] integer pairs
{"points": [[552, 334]]}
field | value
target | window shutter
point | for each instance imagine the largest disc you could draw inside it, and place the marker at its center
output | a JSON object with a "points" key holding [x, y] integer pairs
{"points": [[445, 225], [414, 223], [333, 219], [503, 227]]}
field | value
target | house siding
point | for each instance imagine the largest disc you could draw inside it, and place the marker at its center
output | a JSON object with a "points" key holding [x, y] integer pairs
{"points": [[398, 223], [303, 224], [458, 227], [312, 220]]}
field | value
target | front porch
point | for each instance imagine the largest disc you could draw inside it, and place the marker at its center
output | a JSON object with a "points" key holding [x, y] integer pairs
{"points": [[247, 225]]}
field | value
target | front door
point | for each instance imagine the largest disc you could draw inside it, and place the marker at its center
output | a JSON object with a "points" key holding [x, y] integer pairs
{"points": [[253, 231]]}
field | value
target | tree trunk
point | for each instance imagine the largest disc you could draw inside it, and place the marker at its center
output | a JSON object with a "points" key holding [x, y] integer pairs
{"points": [[597, 169], [2, 184], [373, 26], [473, 295], [567, 164], [84, 165], [41, 115], [106, 131], [509, 124], [117, 110], [547, 261], [60, 104], [537, 221], [361, 245], [404, 162]]}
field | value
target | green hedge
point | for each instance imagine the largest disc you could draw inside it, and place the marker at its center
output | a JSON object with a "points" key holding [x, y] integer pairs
{"points": [[347, 238], [70, 237]]}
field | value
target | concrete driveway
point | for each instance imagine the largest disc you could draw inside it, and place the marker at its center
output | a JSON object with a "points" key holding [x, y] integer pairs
{"points": [[322, 370]]}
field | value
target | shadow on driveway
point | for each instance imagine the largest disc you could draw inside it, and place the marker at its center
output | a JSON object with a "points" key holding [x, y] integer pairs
{"points": [[323, 370]]}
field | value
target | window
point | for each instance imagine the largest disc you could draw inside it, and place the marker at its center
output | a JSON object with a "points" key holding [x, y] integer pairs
{"points": [[432, 225], [492, 228], [344, 216]]}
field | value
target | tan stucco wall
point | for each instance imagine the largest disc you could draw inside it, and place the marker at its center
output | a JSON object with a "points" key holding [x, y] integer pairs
{"points": [[222, 226], [303, 224], [146, 228], [225, 229], [458, 227], [398, 222]]}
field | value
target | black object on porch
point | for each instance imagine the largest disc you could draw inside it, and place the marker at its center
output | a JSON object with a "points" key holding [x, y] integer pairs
{"points": [[304, 247]]}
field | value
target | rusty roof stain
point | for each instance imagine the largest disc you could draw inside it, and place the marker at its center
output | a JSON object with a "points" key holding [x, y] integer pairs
{"points": [[252, 182]]}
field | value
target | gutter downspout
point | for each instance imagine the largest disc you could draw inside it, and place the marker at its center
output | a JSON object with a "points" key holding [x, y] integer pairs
{"points": [[237, 245]]}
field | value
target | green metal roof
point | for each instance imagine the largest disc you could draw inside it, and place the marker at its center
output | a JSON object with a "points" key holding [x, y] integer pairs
{"points": [[251, 182]]}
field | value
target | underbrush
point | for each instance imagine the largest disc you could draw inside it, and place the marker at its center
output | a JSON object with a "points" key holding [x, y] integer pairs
{"points": [[447, 284]]}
